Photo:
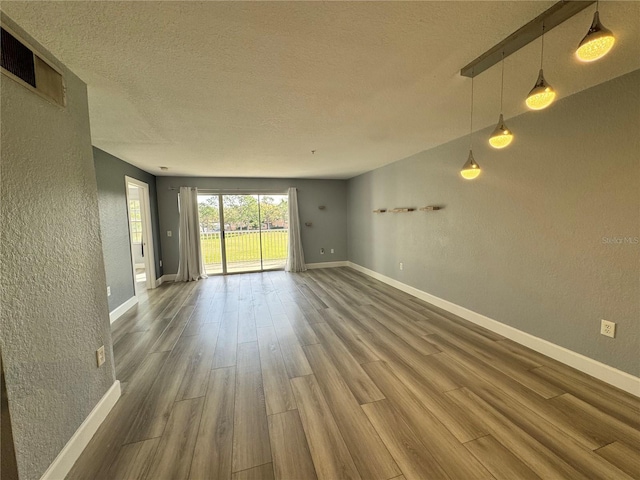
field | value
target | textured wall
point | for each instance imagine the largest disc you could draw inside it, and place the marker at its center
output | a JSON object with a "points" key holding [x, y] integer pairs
{"points": [[8, 465], [54, 302], [525, 243], [112, 202], [329, 225]]}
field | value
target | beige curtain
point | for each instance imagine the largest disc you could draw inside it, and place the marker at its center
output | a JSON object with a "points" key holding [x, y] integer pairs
{"points": [[191, 266], [295, 255]]}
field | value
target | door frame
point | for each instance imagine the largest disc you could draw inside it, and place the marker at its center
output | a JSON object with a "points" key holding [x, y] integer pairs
{"points": [[147, 233]]}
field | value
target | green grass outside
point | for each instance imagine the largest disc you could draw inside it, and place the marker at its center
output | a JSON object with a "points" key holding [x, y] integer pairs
{"points": [[245, 246]]}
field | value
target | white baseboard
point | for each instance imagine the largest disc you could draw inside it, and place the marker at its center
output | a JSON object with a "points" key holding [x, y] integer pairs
{"points": [[311, 266], [122, 309], [77, 443], [169, 277], [601, 371]]}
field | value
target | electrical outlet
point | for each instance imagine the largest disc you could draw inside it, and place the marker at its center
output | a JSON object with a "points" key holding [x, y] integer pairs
{"points": [[322, 251], [108, 291], [401, 266], [333, 251], [100, 358], [607, 328]]}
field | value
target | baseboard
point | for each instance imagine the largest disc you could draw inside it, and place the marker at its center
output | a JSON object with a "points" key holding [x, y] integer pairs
{"points": [[77, 443], [122, 309], [613, 376], [311, 266], [168, 277]]}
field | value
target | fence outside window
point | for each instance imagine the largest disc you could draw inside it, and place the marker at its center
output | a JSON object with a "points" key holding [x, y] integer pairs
{"points": [[243, 249]]}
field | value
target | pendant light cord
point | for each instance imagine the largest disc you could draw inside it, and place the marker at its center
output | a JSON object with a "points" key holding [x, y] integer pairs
{"points": [[502, 84], [471, 123], [542, 49]]}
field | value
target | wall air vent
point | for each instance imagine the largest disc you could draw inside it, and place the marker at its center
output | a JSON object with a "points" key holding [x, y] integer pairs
{"points": [[22, 64], [17, 58]]}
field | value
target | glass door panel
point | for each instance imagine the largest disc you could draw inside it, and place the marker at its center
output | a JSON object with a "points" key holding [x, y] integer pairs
{"points": [[242, 233], [136, 236], [210, 233], [274, 231]]}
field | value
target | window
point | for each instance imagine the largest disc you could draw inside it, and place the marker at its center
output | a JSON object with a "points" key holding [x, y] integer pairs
{"points": [[135, 218]]}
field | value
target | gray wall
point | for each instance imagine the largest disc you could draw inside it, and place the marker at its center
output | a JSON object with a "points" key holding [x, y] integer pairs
{"points": [[54, 303], [329, 225], [112, 202], [525, 243]]}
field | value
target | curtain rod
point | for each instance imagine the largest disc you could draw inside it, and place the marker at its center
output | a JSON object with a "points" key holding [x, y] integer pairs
{"points": [[235, 190]]}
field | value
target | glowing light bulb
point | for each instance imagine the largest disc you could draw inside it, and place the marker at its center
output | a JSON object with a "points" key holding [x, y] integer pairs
{"points": [[541, 95], [597, 42], [501, 136], [470, 169]]}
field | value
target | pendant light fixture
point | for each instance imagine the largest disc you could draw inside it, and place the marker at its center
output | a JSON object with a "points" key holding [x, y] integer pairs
{"points": [[597, 42], [470, 169], [542, 94], [501, 136]]}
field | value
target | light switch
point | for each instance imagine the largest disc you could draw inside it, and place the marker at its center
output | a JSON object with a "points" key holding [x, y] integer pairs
{"points": [[169, 233]]}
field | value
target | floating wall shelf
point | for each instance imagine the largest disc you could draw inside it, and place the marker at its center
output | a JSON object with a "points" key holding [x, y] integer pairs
{"points": [[403, 210], [428, 208]]}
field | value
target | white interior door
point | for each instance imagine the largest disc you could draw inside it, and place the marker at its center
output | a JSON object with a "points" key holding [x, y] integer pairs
{"points": [[140, 231]]}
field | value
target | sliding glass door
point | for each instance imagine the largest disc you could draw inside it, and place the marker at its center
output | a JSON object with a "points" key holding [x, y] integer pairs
{"points": [[243, 232], [274, 230], [210, 233]]}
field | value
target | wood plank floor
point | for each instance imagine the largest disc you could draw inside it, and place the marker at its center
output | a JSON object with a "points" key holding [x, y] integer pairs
{"points": [[330, 374]]}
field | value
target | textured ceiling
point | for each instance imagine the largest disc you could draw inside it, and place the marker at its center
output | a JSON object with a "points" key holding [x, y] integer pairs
{"points": [[250, 88]]}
